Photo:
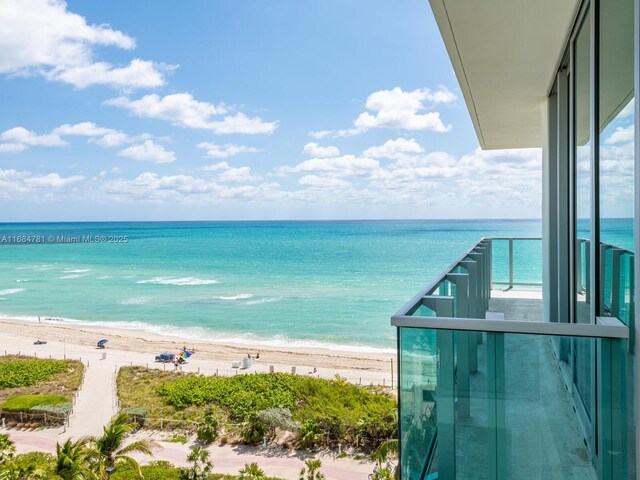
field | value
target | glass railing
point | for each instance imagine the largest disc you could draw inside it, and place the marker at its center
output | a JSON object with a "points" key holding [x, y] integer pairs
{"points": [[496, 398], [512, 417], [516, 261]]}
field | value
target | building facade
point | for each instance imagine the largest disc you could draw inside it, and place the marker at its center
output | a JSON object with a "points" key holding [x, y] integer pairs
{"points": [[499, 378]]}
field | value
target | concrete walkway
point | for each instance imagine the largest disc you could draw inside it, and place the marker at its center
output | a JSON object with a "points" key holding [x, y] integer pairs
{"points": [[95, 402]]}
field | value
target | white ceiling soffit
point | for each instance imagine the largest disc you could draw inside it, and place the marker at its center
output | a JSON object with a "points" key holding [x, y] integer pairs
{"points": [[504, 53]]}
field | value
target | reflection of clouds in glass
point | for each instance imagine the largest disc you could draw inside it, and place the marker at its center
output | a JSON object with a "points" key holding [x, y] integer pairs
{"points": [[621, 135], [617, 166]]}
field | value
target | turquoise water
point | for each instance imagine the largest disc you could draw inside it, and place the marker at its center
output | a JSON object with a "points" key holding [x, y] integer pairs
{"points": [[332, 284]]}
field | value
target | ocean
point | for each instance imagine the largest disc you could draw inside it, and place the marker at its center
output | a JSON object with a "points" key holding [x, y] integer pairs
{"points": [[331, 284]]}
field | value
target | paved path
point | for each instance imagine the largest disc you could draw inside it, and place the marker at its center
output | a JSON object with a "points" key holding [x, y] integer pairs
{"points": [[275, 461], [95, 402]]}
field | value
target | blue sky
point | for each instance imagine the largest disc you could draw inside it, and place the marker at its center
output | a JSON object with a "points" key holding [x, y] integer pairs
{"points": [[282, 109]]}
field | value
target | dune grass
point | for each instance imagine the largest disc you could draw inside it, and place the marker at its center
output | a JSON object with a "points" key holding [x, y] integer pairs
{"points": [[21, 375], [335, 411], [23, 403]]}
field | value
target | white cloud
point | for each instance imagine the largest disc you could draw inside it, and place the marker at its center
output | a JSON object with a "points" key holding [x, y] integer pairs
{"points": [[401, 110], [24, 137], [84, 129], [231, 174], [320, 134], [240, 174], [12, 147], [52, 180], [113, 139], [323, 182], [344, 166], [173, 188], [217, 166], [183, 110], [15, 182], [138, 74], [43, 37], [315, 150], [621, 135], [109, 137], [394, 149], [225, 151], [148, 151]]}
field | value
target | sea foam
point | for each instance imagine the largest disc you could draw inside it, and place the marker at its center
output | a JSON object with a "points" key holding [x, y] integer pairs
{"points": [[208, 335], [263, 300], [11, 291], [240, 296], [135, 301], [178, 281]]}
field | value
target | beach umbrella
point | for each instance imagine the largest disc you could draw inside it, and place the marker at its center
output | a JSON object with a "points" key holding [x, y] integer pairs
{"points": [[104, 340], [187, 353]]}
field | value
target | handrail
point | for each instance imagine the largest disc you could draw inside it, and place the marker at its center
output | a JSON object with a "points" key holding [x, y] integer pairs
{"points": [[412, 305], [606, 327]]}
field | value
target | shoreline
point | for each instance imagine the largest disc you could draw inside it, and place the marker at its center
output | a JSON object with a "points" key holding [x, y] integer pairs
{"points": [[201, 334], [139, 347]]}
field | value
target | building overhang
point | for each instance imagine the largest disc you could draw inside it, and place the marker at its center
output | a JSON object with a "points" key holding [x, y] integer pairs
{"points": [[505, 54]]}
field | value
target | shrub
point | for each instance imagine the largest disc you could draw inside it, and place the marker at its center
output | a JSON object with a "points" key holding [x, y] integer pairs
{"points": [[310, 434], [25, 372], [208, 429], [40, 462], [24, 403], [253, 430], [251, 471], [159, 470], [342, 412], [277, 418], [60, 409], [136, 414]]}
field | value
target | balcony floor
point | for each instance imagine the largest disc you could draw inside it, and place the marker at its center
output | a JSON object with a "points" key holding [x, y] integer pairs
{"points": [[543, 439]]}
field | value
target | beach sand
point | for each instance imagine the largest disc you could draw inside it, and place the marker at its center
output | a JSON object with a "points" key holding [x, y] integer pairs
{"points": [[140, 347], [96, 401]]}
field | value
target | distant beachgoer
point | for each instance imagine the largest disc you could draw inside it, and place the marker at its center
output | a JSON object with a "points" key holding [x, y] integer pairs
{"points": [[257, 355], [39, 321]]}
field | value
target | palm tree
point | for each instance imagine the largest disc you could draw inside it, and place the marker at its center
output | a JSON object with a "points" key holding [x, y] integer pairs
{"points": [[311, 472], [74, 461], [7, 448], [251, 471], [109, 447], [201, 465], [384, 466]]}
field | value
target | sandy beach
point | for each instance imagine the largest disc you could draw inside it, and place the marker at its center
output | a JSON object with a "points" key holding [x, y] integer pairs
{"points": [[95, 402], [140, 347]]}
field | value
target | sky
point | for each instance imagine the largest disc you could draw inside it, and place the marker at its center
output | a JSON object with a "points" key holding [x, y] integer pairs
{"points": [[222, 110]]}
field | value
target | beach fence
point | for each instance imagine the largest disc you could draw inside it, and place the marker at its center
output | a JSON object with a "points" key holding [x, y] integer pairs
{"points": [[387, 380], [31, 420]]}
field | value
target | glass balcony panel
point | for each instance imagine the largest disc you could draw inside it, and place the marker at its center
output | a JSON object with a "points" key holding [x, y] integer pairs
{"points": [[527, 262], [418, 400], [512, 418]]}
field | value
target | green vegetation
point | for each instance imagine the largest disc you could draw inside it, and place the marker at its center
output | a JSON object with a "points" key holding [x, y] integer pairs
{"points": [[23, 403], [26, 372], [208, 429], [104, 458], [322, 411], [24, 377], [312, 470], [109, 449]]}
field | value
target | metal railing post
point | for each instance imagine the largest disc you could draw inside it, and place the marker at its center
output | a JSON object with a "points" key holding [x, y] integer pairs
{"points": [[616, 276], [510, 264]]}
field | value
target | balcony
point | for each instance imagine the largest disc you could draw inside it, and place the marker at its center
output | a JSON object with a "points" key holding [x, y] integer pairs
{"points": [[488, 390]]}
